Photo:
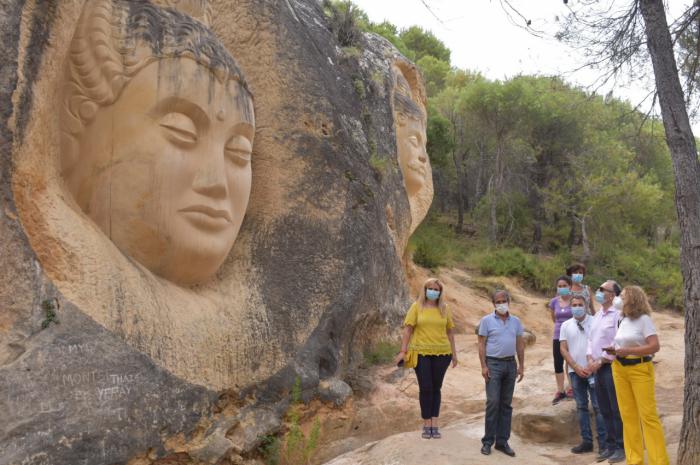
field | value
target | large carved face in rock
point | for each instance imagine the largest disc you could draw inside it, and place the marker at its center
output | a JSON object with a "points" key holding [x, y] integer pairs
{"points": [[410, 119], [160, 161]]}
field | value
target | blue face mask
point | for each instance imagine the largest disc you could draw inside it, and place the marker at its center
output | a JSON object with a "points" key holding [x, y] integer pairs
{"points": [[599, 297], [577, 277], [563, 291], [578, 311], [432, 294]]}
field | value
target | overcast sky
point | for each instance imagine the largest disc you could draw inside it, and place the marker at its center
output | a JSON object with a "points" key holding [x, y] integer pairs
{"points": [[482, 36]]}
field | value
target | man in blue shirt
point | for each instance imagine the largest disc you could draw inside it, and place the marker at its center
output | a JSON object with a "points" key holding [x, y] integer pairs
{"points": [[500, 338]]}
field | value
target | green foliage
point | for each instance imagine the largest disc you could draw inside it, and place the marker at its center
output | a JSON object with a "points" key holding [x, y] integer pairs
{"points": [[424, 43], [345, 20], [379, 164], [435, 72], [352, 51], [359, 87], [49, 306], [428, 254], [269, 449], [380, 353], [295, 448]]}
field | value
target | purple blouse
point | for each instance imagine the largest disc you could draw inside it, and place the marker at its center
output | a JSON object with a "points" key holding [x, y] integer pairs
{"points": [[561, 314]]}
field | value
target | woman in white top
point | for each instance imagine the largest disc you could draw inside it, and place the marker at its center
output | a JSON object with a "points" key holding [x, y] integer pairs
{"points": [[636, 342]]}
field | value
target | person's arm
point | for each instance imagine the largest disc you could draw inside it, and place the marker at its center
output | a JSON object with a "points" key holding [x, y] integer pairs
{"points": [[651, 347], [578, 369], [482, 358], [552, 312], [451, 337], [520, 350], [407, 331]]}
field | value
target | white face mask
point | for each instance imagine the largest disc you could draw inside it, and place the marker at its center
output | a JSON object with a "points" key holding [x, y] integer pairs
{"points": [[617, 302], [502, 309]]}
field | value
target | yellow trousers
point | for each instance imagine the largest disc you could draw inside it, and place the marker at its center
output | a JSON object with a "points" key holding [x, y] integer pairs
{"points": [[634, 386]]}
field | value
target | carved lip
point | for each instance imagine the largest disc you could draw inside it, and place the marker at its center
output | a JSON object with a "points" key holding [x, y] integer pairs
{"points": [[208, 211]]}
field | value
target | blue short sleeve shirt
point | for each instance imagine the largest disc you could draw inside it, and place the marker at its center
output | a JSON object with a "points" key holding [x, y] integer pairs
{"points": [[500, 335]]}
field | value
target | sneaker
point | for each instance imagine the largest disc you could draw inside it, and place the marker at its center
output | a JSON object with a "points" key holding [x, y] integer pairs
{"points": [[435, 432], [558, 397], [427, 432], [582, 448], [617, 456], [604, 454]]}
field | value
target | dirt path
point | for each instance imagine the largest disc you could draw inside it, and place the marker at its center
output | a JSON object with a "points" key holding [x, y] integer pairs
{"points": [[369, 427]]}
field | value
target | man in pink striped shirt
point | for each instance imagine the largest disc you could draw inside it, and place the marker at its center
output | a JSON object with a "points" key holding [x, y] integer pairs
{"points": [[601, 337]]}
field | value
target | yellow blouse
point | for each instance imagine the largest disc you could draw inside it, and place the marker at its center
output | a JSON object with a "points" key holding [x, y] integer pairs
{"points": [[429, 330]]}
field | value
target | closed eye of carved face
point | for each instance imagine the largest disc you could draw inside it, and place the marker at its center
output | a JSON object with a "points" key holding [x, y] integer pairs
{"points": [[239, 150], [414, 140], [179, 129]]}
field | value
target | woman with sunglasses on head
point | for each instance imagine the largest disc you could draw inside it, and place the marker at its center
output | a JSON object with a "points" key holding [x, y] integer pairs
{"points": [[577, 272], [560, 308], [428, 346], [636, 341]]}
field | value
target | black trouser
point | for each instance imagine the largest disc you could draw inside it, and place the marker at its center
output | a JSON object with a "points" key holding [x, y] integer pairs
{"points": [[430, 372], [558, 357]]}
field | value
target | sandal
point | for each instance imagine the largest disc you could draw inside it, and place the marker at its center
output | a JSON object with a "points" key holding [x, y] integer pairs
{"points": [[435, 433], [427, 432]]}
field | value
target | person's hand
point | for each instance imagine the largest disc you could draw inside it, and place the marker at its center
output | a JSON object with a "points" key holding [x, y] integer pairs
{"points": [[521, 372], [400, 356], [593, 367], [454, 361], [622, 352], [581, 371], [485, 373], [610, 350]]}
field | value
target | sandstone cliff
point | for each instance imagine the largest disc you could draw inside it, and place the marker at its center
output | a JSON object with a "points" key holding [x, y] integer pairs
{"points": [[103, 360]]}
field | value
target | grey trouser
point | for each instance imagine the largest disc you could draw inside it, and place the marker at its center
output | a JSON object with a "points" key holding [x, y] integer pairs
{"points": [[499, 395]]}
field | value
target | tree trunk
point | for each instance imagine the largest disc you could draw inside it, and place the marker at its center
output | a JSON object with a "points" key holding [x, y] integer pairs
{"points": [[493, 229], [460, 189], [681, 144], [584, 240]]}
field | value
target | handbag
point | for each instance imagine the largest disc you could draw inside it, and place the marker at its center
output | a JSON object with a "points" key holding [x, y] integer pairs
{"points": [[410, 360]]}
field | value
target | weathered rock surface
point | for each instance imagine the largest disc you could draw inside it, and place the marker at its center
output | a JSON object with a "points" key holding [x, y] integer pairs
{"points": [[135, 364]]}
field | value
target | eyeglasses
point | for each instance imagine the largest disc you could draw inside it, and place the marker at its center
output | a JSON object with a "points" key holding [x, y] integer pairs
{"points": [[602, 289]]}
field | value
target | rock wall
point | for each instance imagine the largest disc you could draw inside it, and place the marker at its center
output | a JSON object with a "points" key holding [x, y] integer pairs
{"points": [[104, 360]]}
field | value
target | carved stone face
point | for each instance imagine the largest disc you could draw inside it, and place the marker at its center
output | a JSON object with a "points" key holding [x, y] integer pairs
{"points": [[413, 158], [165, 170]]}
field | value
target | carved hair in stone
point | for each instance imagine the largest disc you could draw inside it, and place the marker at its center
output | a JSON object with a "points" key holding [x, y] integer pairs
{"points": [[409, 101], [157, 130]]}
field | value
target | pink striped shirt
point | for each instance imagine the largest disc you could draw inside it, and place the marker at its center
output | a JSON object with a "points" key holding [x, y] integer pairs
{"points": [[602, 334]]}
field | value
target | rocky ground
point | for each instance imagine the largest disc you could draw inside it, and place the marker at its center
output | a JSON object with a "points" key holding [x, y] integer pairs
{"points": [[382, 428]]}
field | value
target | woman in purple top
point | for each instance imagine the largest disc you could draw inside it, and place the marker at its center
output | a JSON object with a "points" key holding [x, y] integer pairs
{"points": [[560, 308]]}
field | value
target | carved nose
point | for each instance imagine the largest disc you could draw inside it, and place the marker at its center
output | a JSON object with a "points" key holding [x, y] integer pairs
{"points": [[210, 179], [423, 157]]}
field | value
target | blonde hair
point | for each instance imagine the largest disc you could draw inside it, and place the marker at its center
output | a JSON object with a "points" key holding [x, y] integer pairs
{"points": [[636, 303], [441, 304]]}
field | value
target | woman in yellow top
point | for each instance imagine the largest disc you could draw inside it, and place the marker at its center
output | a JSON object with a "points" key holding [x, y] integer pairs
{"points": [[428, 346]]}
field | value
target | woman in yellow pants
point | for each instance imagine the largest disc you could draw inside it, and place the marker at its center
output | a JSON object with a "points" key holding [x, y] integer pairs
{"points": [[635, 343]]}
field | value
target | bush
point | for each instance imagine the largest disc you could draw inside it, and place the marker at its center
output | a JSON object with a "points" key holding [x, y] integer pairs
{"points": [[295, 448], [381, 353], [428, 255], [508, 262]]}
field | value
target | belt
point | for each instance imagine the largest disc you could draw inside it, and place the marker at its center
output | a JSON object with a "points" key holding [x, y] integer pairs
{"points": [[634, 361], [502, 359]]}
